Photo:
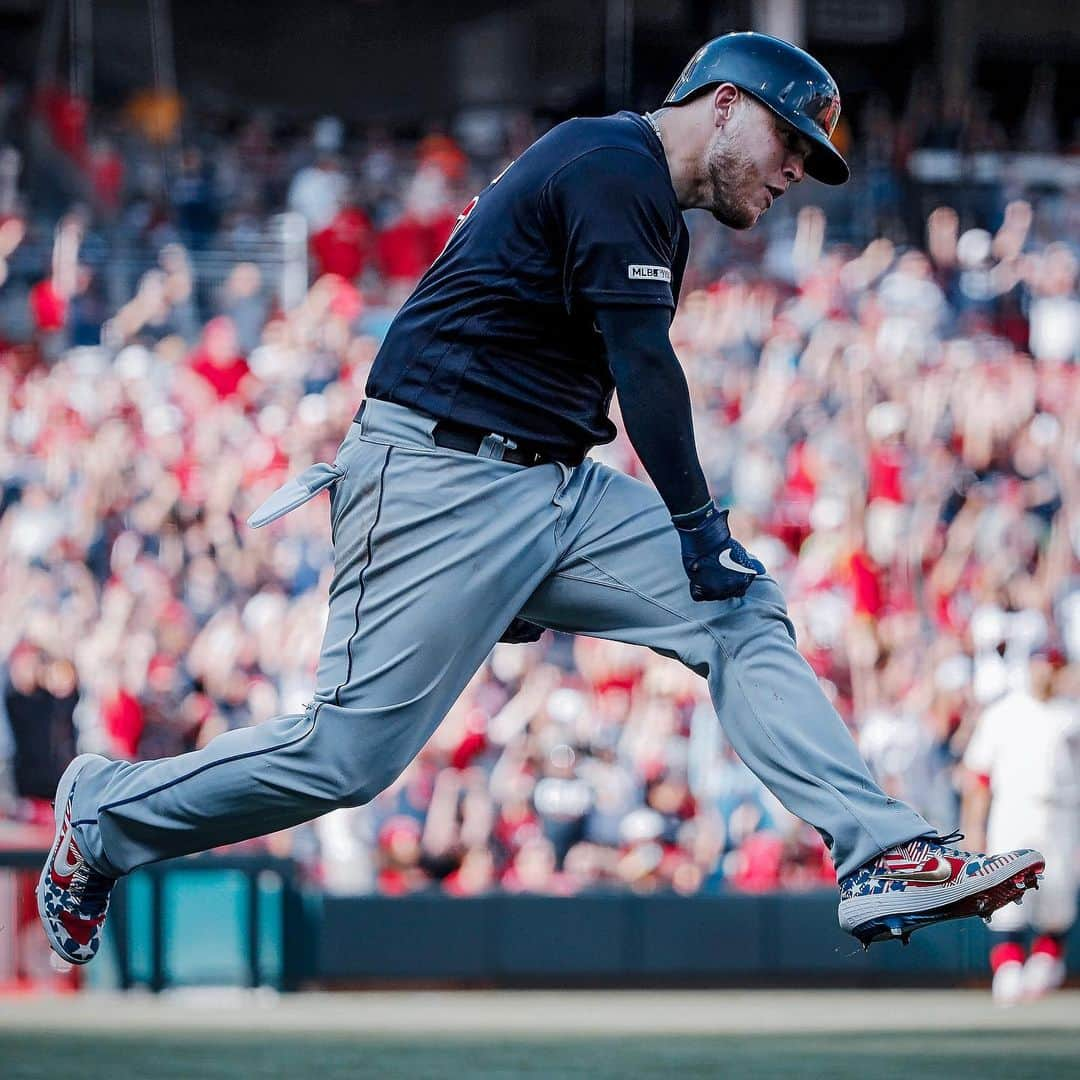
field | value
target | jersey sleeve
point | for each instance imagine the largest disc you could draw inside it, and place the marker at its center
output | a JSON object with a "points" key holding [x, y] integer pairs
{"points": [[616, 215]]}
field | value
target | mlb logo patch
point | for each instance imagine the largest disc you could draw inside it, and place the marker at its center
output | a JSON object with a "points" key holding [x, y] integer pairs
{"points": [[640, 272]]}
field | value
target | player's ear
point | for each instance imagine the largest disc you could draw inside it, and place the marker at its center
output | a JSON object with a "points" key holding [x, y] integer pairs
{"points": [[723, 101]]}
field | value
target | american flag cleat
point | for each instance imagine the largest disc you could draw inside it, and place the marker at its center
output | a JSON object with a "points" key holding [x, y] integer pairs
{"points": [[72, 897], [927, 881]]}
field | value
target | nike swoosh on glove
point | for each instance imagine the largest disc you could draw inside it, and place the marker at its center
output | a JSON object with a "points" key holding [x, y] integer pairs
{"points": [[521, 632], [718, 566]]}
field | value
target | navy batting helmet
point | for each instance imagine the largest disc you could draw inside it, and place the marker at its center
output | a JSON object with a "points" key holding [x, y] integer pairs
{"points": [[783, 78]]}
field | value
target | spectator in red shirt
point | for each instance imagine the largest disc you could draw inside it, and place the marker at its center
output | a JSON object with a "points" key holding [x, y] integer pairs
{"points": [[124, 721], [66, 116], [217, 359], [48, 307], [107, 175], [408, 247], [49, 299], [344, 246]]}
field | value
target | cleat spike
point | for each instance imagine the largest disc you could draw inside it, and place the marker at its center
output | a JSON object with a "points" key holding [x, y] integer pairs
{"points": [[1018, 901], [986, 919], [906, 938]]}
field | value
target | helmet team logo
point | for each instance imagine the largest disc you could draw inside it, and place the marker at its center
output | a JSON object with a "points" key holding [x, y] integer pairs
{"points": [[828, 116], [641, 272]]}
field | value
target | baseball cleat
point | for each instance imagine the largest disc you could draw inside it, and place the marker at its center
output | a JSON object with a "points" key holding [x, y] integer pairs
{"points": [[72, 897], [927, 881]]}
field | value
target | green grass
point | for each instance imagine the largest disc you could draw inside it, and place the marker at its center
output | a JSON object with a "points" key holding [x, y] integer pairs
{"points": [[1026, 1055]]}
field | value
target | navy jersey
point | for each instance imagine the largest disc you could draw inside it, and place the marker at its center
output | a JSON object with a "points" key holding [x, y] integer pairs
{"points": [[499, 333]]}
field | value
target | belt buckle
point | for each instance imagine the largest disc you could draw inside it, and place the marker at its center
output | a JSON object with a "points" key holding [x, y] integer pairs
{"points": [[494, 446]]}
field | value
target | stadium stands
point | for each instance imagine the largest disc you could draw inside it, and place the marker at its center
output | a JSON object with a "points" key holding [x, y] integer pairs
{"points": [[895, 425]]}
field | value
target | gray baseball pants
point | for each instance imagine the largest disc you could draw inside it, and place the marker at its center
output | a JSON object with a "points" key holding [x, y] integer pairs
{"points": [[435, 551]]}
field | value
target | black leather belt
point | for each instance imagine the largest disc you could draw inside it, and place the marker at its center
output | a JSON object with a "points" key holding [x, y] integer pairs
{"points": [[471, 440]]}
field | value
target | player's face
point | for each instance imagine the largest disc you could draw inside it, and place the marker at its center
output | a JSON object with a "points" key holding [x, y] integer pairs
{"points": [[751, 161]]}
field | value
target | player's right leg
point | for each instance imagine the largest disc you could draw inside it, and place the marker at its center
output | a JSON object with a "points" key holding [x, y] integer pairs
{"points": [[435, 552]]}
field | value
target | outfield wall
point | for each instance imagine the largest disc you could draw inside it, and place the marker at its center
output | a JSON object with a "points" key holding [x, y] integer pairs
{"points": [[247, 921], [628, 940]]}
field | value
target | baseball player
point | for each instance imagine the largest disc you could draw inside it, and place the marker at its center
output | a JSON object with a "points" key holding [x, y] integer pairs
{"points": [[1024, 765], [463, 506]]}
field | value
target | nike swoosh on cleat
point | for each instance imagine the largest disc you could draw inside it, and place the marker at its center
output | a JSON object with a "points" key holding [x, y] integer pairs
{"points": [[931, 872], [62, 864], [725, 560]]}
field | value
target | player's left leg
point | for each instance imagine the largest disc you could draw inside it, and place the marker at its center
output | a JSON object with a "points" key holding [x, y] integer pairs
{"points": [[435, 551], [621, 577]]}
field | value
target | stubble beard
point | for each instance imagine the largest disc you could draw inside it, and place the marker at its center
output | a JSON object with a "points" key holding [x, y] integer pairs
{"points": [[727, 170]]}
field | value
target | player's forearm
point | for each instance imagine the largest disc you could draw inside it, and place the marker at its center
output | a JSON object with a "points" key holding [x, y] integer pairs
{"points": [[655, 404]]}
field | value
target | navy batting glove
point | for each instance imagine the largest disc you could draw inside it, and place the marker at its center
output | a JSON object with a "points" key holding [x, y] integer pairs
{"points": [[718, 566], [521, 632]]}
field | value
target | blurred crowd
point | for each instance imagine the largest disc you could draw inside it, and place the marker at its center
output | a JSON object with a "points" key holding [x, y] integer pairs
{"points": [[895, 427], [154, 168]]}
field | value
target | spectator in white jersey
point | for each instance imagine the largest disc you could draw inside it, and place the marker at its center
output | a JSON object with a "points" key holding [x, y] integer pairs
{"points": [[1023, 763]]}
